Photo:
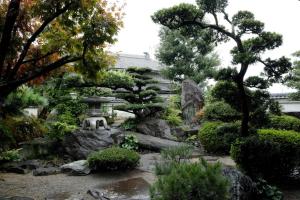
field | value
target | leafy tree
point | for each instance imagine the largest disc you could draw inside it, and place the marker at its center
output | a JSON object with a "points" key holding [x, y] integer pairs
{"points": [[250, 39], [294, 81], [187, 55], [39, 36], [142, 96]]}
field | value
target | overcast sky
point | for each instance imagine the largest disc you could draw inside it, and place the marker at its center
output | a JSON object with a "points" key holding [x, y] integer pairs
{"points": [[140, 34]]}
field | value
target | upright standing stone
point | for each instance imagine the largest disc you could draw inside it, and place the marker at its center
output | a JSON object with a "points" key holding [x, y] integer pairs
{"points": [[191, 100]]}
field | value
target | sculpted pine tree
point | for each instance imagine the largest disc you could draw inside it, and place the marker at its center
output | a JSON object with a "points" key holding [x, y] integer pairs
{"points": [[248, 34], [39, 36], [142, 97]]}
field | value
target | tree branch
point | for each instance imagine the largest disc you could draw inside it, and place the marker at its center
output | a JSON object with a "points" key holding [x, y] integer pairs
{"points": [[43, 70], [32, 39], [10, 19], [39, 58]]}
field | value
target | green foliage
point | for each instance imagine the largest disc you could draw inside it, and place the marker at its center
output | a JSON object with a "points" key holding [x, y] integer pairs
{"points": [[217, 137], [58, 129], [220, 111], [276, 148], [129, 124], [113, 158], [22, 128], [115, 79], [284, 122], [10, 155], [187, 54], [294, 79], [196, 181], [173, 112], [130, 142], [267, 192]]}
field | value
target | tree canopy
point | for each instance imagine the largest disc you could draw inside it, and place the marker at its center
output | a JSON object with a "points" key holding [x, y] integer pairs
{"points": [[248, 34], [187, 54], [39, 36]]}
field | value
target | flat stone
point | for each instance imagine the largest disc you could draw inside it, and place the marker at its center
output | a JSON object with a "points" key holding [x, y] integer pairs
{"points": [[154, 143], [79, 167], [46, 171]]}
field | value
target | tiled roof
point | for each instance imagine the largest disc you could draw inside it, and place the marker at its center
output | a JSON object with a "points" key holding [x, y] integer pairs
{"points": [[127, 60]]}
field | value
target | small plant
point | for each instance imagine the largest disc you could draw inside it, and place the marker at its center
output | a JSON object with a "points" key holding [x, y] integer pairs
{"points": [[196, 181], [10, 155], [112, 159], [173, 113], [130, 142], [267, 192]]}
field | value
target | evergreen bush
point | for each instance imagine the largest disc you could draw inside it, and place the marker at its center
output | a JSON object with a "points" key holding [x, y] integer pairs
{"points": [[220, 111], [191, 181], [272, 154], [217, 137], [112, 159]]}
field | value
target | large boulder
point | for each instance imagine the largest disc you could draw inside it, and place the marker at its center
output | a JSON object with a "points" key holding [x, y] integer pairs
{"points": [[79, 144], [154, 143], [242, 187], [155, 127], [191, 100], [76, 168]]}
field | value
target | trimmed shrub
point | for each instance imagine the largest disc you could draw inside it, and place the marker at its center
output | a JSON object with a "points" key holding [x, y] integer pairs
{"points": [[217, 137], [271, 155], [220, 111], [285, 122], [113, 158], [196, 181]]}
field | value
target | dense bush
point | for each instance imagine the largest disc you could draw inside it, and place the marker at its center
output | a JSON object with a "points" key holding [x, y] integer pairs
{"points": [[271, 155], [220, 111], [113, 159], [22, 128], [217, 137], [196, 181], [285, 122]]}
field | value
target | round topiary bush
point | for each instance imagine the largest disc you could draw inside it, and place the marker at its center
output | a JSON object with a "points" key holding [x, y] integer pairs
{"points": [[192, 182], [220, 111], [217, 137], [113, 158], [271, 155]]}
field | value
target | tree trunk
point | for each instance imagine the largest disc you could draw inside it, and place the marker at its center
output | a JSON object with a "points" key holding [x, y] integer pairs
{"points": [[244, 107]]}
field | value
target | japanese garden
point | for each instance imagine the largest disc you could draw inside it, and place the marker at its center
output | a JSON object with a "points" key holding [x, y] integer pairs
{"points": [[79, 121]]}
